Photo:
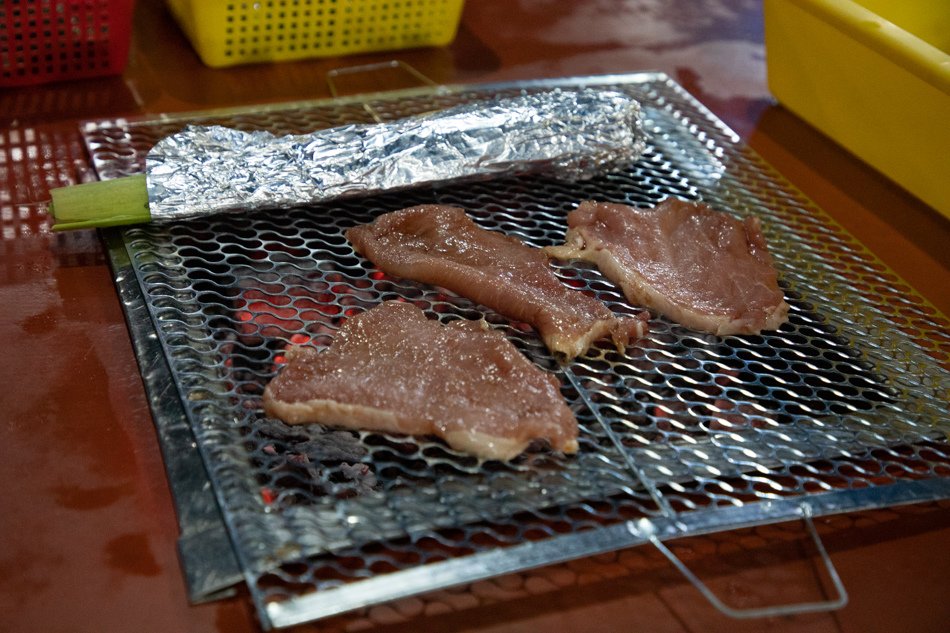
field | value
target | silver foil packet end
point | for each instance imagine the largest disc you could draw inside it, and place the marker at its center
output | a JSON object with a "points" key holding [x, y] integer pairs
{"points": [[571, 134]]}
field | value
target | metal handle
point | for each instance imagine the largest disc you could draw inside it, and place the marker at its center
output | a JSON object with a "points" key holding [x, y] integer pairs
{"points": [[646, 529], [333, 74]]}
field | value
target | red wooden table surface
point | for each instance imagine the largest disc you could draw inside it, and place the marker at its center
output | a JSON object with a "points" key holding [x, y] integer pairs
{"points": [[87, 525]]}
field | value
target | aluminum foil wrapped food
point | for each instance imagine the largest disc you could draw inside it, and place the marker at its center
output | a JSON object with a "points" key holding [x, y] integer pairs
{"points": [[571, 134]]}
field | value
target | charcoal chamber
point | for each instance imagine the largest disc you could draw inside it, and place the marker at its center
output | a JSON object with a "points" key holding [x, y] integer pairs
{"points": [[843, 408]]}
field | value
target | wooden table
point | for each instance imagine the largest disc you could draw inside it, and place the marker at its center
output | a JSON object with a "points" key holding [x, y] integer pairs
{"points": [[87, 525]]}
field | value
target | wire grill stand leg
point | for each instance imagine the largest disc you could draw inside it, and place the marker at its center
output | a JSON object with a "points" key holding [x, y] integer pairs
{"points": [[646, 529]]}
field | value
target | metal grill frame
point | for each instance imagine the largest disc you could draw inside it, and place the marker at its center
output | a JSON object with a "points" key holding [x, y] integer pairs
{"points": [[212, 567]]}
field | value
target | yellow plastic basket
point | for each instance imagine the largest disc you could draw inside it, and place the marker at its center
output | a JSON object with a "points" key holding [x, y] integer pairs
{"points": [[229, 32], [875, 76]]}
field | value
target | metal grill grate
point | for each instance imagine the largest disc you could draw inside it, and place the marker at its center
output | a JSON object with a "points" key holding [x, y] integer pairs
{"points": [[845, 407]]}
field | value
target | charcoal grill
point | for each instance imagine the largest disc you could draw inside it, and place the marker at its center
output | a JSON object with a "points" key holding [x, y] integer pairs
{"points": [[844, 408]]}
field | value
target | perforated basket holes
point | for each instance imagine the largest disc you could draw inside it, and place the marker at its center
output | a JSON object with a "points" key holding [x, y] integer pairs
{"points": [[44, 40], [281, 29]]}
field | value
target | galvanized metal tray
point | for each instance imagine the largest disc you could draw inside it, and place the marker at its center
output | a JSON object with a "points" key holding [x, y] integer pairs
{"points": [[843, 408]]}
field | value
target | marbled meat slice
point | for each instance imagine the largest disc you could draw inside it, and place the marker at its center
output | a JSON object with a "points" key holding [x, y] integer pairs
{"points": [[702, 268], [391, 369], [442, 246]]}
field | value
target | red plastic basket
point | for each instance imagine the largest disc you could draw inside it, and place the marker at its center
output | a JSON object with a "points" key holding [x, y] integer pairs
{"points": [[53, 40]]}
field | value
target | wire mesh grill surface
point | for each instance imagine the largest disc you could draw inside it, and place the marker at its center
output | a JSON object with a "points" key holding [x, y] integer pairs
{"points": [[849, 396]]}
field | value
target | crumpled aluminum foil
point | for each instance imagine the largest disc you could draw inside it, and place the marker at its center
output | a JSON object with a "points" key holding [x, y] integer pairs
{"points": [[571, 134]]}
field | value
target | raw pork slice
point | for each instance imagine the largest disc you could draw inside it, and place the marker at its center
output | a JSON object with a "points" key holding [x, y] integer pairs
{"points": [[441, 245], [391, 369], [701, 268]]}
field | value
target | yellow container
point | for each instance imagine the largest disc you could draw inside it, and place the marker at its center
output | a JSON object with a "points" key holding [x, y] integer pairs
{"points": [[875, 76], [229, 32]]}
